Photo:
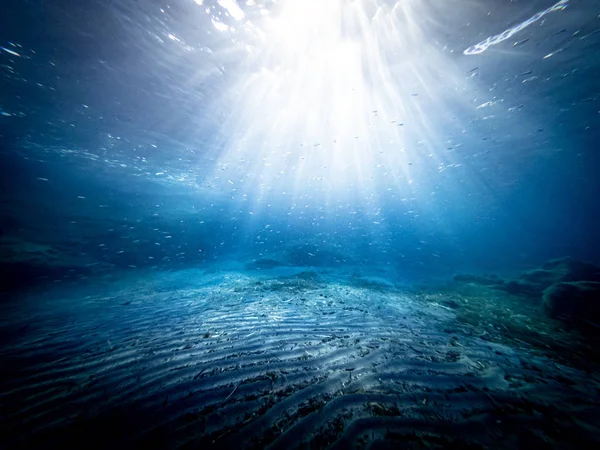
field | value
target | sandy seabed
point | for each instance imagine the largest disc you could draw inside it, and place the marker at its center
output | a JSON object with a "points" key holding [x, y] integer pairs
{"points": [[253, 360]]}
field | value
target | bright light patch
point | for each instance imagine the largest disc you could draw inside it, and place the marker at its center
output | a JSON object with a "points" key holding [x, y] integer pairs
{"points": [[219, 25], [232, 8], [337, 99]]}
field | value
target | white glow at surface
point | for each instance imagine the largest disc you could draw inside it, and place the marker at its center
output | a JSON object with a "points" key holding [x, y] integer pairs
{"points": [[219, 25], [232, 8], [337, 95], [342, 102]]}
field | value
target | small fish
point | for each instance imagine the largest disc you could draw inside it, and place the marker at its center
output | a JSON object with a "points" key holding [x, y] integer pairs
{"points": [[516, 44], [529, 79], [549, 55], [10, 51]]}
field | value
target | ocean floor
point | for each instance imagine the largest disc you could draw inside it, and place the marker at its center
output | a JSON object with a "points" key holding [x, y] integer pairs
{"points": [[288, 358]]}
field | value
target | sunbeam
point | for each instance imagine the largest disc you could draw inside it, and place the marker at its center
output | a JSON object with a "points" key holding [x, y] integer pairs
{"points": [[338, 98], [291, 224]]}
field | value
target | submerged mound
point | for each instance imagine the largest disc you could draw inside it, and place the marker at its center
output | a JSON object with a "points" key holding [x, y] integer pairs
{"points": [[573, 300], [535, 282], [564, 289], [375, 283], [572, 270]]}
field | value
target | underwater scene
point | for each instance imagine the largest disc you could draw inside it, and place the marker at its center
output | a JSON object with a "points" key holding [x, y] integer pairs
{"points": [[300, 224]]}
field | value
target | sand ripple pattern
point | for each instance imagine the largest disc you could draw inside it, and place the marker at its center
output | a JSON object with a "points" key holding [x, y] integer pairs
{"points": [[246, 368]]}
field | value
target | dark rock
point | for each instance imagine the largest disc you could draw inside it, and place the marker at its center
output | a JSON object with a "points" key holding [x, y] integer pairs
{"points": [[533, 283], [539, 276], [521, 288], [308, 275], [451, 303], [573, 270], [573, 300], [373, 283]]}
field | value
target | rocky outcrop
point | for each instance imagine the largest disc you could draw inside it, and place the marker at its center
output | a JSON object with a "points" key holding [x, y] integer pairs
{"points": [[570, 269], [567, 288], [534, 282], [578, 300]]}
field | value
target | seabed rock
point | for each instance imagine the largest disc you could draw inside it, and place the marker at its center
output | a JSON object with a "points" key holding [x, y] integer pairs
{"points": [[535, 282], [573, 300], [572, 270], [568, 289]]}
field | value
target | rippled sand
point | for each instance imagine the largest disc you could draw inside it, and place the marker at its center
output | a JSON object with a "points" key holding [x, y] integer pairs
{"points": [[233, 360]]}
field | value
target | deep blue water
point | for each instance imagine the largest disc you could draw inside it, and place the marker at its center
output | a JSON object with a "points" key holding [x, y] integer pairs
{"points": [[394, 142], [104, 106]]}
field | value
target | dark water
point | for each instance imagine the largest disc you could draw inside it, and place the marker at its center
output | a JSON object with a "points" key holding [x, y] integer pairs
{"points": [[299, 224]]}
